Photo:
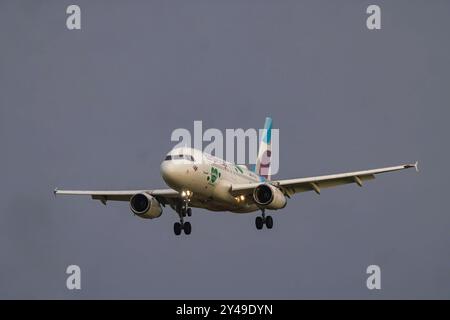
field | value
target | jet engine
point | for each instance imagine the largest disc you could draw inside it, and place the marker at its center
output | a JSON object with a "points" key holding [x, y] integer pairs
{"points": [[268, 196], [145, 206]]}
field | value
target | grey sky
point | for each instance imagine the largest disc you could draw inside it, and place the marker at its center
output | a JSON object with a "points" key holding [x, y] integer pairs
{"points": [[95, 109]]}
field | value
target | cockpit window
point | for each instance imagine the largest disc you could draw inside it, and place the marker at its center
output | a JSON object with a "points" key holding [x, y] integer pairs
{"points": [[180, 156]]}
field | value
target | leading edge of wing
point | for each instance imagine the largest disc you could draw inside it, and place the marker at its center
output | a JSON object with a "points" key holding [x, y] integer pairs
{"points": [[156, 192], [163, 195], [239, 188], [346, 174]]}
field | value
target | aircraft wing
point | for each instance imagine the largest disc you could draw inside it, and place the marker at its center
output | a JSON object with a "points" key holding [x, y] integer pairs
{"points": [[292, 186], [164, 196]]}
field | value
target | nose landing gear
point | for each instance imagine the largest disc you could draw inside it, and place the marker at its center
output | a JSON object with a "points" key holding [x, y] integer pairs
{"points": [[261, 220]]}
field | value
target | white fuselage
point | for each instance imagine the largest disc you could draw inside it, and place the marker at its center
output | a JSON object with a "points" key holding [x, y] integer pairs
{"points": [[207, 180]]}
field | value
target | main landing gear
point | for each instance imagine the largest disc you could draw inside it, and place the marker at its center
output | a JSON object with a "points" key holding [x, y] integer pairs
{"points": [[185, 226], [183, 211], [260, 221]]}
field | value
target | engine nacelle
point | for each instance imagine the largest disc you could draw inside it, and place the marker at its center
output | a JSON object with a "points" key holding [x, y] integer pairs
{"points": [[145, 206], [270, 197]]}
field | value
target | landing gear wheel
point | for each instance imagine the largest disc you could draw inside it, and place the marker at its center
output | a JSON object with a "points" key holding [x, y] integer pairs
{"points": [[187, 228], [189, 212], [177, 228], [269, 222], [259, 223]]}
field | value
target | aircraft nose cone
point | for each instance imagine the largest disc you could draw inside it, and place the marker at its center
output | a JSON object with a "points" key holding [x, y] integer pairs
{"points": [[169, 173]]}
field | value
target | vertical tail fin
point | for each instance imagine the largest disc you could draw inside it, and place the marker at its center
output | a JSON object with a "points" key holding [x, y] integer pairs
{"points": [[262, 167]]}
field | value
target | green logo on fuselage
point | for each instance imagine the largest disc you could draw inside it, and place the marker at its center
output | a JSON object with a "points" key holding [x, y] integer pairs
{"points": [[238, 169], [213, 176]]}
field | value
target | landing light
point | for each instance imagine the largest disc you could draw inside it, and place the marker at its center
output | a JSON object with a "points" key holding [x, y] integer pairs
{"points": [[186, 193], [242, 197]]}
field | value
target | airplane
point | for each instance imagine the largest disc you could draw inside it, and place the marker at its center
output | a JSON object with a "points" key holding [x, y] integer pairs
{"points": [[200, 180]]}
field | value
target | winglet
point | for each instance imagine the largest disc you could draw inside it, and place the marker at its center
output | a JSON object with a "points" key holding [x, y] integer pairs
{"points": [[415, 166]]}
